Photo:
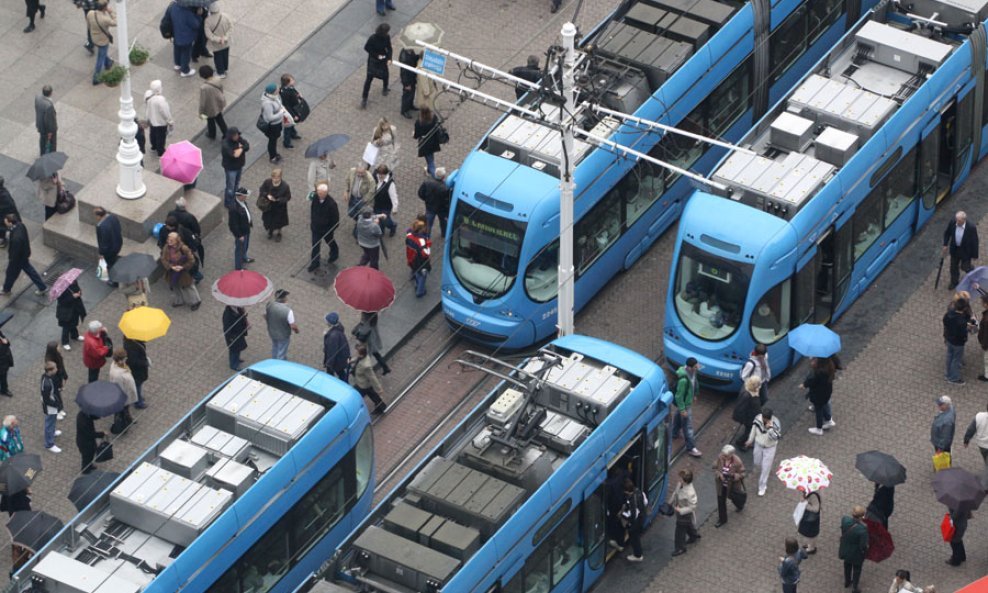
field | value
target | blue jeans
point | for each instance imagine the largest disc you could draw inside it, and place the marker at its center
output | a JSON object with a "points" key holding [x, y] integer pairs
{"points": [[420, 277], [50, 420], [382, 4], [240, 251], [102, 61], [955, 355], [686, 424], [430, 216], [279, 349], [234, 359], [232, 183], [221, 58], [387, 223], [181, 55], [430, 163]]}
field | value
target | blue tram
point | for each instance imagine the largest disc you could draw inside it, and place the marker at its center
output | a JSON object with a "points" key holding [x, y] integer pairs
{"points": [[515, 499], [249, 492], [850, 165], [710, 67]]}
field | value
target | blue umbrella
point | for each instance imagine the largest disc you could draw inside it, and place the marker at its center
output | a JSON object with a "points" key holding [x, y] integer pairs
{"points": [[975, 282], [811, 339], [326, 145], [101, 398]]}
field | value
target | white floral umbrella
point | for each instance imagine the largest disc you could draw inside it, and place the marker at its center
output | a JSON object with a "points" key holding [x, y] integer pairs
{"points": [[804, 474]]}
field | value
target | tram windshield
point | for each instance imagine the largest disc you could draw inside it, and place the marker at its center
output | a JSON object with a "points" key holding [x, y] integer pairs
{"points": [[710, 293], [484, 251]]}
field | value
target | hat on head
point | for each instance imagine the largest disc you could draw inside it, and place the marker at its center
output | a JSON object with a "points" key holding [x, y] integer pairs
{"points": [[333, 318], [280, 294], [156, 86], [272, 87], [943, 399], [214, 7], [242, 191], [180, 203], [440, 172]]}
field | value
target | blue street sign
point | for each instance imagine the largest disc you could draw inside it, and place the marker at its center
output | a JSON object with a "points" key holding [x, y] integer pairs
{"points": [[433, 62]]}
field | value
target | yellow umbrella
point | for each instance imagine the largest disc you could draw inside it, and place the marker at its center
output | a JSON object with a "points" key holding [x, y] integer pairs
{"points": [[144, 324]]}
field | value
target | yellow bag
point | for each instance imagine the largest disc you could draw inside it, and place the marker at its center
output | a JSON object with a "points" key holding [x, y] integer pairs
{"points": [[941, 461]]}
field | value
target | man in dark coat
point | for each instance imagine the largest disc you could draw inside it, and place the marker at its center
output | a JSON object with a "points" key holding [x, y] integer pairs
{"points": [[190, 239], [109, 237], [70, 312], [137, 360], [240, 223], [189, 221], [335, 348], [234, 153], [19, 257], [960, 240], [6, 362], [409, 80], [435, 194], [7, 206], [235, 333], [185, 29], [85, 439], [324, 217], [853, 546], [45, 120], [379, 52], [530, 72]]}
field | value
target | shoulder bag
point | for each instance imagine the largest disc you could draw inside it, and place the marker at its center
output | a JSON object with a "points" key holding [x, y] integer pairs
{"points": [[104, 452], [262, 124]]}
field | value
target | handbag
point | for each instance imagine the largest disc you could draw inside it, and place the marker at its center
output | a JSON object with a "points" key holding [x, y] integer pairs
{"points": [[262, 124], [947, 527], [121, 420], [302, 109], [108, 342], [666, 509], [441, 134], [738, 496], [941, 461], [104, 452], [64, 201]]}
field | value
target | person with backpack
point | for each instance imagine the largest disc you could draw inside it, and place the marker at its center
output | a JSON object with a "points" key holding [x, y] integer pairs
{"points": [[757, 366], [853, 546], [296, 107], [765, 434], [417, 249], [633, 514], [789, 565]]}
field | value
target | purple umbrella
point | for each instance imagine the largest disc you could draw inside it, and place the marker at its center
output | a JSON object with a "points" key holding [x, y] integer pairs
{"points": [[182, 162], [64, 281]]}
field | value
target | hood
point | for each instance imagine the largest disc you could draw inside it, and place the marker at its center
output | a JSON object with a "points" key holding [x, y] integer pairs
{"points": [[681, 372], [231, 131]]}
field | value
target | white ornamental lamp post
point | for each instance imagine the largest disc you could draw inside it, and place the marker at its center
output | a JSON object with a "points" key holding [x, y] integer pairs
{"points": [[131, 184]]}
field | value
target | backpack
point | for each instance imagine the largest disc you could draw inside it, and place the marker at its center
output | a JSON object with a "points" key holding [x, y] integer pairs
{"points": [[165, 25]]}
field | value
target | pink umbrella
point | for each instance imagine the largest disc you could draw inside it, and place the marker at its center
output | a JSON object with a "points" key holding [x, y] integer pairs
{"points": [[64, 281], [240, 288], [182, 162]]}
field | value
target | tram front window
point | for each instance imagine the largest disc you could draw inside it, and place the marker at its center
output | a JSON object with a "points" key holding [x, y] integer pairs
{"points": [[710, 293], [484, 251]]}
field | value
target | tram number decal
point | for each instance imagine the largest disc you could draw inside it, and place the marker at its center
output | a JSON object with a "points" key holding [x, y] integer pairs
{"points": [[725, 374], [550, 313]]}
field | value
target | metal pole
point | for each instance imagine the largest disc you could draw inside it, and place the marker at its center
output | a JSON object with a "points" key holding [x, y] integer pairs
{"points": [[567, 187], [130, 185]]}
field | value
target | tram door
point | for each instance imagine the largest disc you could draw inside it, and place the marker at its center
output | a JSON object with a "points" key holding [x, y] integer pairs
{"points": [[831, 269], [947, 144], [928, 164], [629, 464]]}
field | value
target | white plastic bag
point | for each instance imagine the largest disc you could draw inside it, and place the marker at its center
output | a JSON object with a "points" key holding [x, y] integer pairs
{"points": [[102, 271], [370, 153], [797, 514]]}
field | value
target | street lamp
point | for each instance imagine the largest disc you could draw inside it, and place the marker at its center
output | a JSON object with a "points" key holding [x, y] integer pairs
{"points": [[131, 184]]}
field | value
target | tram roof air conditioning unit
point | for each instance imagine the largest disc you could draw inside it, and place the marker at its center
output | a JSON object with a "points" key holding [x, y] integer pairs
{"points": [[900, 49]]}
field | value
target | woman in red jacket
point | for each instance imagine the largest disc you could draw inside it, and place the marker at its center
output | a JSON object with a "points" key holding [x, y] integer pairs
{"points": [[95, 349]]}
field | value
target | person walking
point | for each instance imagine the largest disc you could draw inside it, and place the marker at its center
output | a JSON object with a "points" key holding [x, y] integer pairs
{"points": [[96, 348], [274, 115], [366, 382], [185, 29], [367, 334], [11, 442], [360, 188], [235, 327], [100, 21], [757, 366], [6, 363], [335, 348], [809, 523], [530, 72], [686, 388], [281, 324], [436, 195], [853, 546], [746, 409], [409, 57], [958, 321], [418, 246], [53, 355], [765, 434], [85, 439], [684, 503], [218, 27], [19, 257], [46, 121], [633, 513], [48, 188], [212, 102], [240, 221], [324, 217], [33, 8], [319, 171], [942, 429], [819, 384], [729, 475], [234, 153], [86, 6], [789, 565], [272, 201], [109, 237], [296, 107], [369, 235], [385, 138], [959, 519], [7, 206], [882, 504], [379, 52], [70, 312], [159, 116], [978, 432], [427, 133], [960, 241], [178, 260], [385, 199], [51, 405], [121, 375], [140, 365]]}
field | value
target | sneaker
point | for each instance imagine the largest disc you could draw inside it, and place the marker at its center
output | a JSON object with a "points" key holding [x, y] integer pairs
{"points": [[66, 347], [761, 492], [816, 431], [80, 338], [58, 433], [829, 424], [633, 558], [957, 382], [61, 415], [177, 68], [615, 545], [810, 407], [694, 452], [41, 291], [29, 28], [222, 75], [982, 378], [54, 449], [188, 74]]}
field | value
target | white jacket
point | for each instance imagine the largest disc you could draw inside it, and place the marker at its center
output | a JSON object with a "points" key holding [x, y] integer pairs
{"points": [[765, 437], [156, 110], [979, 432], [685, 499]]}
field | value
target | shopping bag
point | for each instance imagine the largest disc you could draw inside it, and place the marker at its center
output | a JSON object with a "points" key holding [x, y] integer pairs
{"points": [[941, 461], [797, 514], [370, 153], [947, 528], [102, 271]]}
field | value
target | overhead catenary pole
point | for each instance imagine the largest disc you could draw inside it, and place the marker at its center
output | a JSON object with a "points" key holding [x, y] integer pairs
{"points": [[567, 187], [130, 185]]}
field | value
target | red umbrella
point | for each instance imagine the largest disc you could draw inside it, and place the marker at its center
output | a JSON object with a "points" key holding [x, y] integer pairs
{"points": [[880, 546], [365, 289], [978, 586], [240, 288]]}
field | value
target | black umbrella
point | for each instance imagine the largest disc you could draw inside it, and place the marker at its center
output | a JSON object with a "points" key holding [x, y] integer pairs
{"points": [[101, 398], [959, 489], [33, 529], [881, 468], [88, 487], [132, 267], [326, 145], [47, 165], [18, 472]]}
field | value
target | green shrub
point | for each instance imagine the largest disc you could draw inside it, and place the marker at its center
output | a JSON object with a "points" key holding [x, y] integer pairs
{"points": [[113, 76]]}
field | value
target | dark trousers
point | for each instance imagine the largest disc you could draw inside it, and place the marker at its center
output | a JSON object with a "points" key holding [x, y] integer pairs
{"points": [[273, 133], [240, 251], [685, 533], [87, 460], [14, 270], [290, 133], [93, 376], [317, 238], [407, 98], [372, 395], [234, 358], [957, 552], [722, 503], [157, 137], [635, 537], [4, 387], [956, 265], [387, 223], [47, 145], [367, 84], [215, 122], [182, 54], [50, 211], [341, 374], [822, 414], [380, 360], [69, 333], [788, 588], [370, 257], [852, 574], [221, 58]]}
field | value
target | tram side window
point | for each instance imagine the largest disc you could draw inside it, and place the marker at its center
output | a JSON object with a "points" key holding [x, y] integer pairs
{"points": [[552, 560], [680, 150], [267, 561], [806, 293], [364, 461], [649, 187], [900, 187], [787, 43], [822, 15], [770, 319], [542, 274], [594, 527], [729, 100], [655, 457], [601, 226], [867, 222]]}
